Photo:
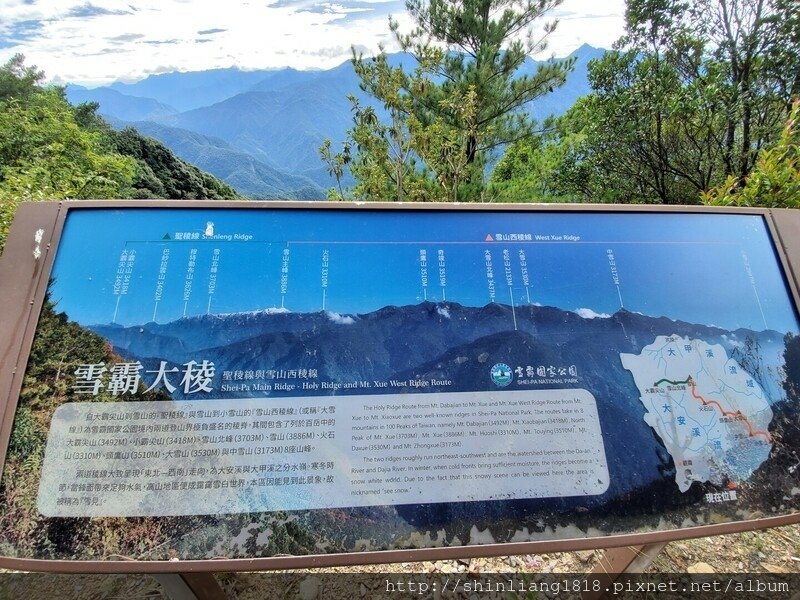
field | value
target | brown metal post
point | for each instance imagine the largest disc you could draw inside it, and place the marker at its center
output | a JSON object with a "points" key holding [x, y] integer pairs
{"points": [[204, 585], [190, 586], [616, 561], [24, 268]]}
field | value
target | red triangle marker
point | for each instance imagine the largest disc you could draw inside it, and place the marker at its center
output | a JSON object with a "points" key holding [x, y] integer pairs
{"points": [[489, 238]]}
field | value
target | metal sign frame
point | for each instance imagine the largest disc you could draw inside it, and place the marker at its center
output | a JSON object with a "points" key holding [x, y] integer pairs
{"points": [[25, 268]]}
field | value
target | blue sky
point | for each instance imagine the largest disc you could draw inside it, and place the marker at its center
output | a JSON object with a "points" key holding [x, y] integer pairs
{"points": [[374, 262], [95, 42]]}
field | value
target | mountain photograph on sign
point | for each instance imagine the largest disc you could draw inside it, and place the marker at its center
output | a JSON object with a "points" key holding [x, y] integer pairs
{"points": [[540, 379]]}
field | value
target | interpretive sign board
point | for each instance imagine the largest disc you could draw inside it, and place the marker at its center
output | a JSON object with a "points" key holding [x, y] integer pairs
{"points": [[287, 384]]}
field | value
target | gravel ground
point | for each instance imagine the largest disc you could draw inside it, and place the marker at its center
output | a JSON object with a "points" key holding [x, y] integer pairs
{"points": [[770, 551]]}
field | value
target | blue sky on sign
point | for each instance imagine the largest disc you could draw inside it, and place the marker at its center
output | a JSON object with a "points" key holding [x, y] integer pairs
{"points": [[99, 41], [737, 284]]}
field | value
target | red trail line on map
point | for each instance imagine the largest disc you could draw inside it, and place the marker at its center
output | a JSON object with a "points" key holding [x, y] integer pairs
{"points": [[725, 413]]}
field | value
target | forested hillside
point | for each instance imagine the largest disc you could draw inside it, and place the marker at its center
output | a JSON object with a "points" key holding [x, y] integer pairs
{"points": [[52, 150]]}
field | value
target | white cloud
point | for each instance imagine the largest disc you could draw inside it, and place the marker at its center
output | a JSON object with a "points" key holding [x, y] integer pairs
{"points": [[732, 341], [275, 310], [340, 319], [443, 311], [588, 313], [257, 35], [74, 39]]}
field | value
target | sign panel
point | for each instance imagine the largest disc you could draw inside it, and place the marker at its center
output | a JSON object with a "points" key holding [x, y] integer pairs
{"points": [[241, 383]]}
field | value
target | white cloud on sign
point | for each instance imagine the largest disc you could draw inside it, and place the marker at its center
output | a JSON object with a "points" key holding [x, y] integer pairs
{"points": [[588, 313]]}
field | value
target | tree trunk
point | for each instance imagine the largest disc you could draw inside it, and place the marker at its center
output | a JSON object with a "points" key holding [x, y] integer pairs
{"points": [[747, 117], [472, 148]]}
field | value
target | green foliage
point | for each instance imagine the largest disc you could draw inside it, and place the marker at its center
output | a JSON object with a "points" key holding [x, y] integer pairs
{"points": [[336, 164], [44, 154], [692, 95], [17, 80], [386, 165], [59, 347], [384, 158], [26, 437], [483, 54], [50, 150], [774, 181], [464, 99], [783, 59], [161, 174], [749, 43], [546, 168], [158, 172], [647, 133], [444, 145], [403, 160]]}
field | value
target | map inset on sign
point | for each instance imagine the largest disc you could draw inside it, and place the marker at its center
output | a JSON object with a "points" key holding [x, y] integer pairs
{"points": [[710, 413]]}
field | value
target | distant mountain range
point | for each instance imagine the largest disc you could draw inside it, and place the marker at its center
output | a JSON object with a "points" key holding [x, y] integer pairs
{"points": [[448, 341], [260, 131]]}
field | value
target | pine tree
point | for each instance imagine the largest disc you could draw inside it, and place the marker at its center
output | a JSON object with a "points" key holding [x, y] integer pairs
{"points": [[466, 98], [487, 42]]}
